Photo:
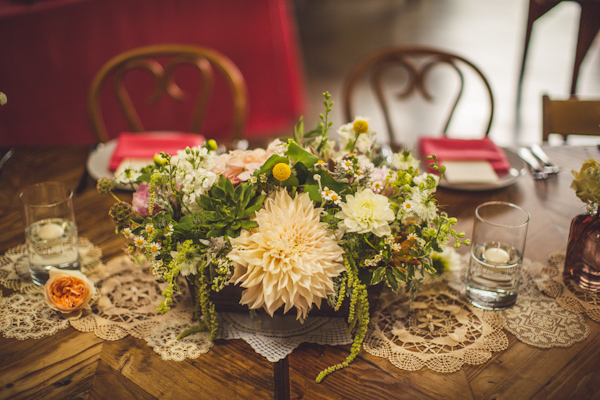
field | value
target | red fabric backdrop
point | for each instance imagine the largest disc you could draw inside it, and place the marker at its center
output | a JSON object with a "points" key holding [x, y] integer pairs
{"points": [[50, 51]]}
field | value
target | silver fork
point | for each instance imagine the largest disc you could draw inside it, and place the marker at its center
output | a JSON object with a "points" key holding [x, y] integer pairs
{"points": [[537, 171], [549, 166]]}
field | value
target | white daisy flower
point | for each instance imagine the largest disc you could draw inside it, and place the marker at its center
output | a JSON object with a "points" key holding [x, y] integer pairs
{"points": [[154, 248], [139, 241]]}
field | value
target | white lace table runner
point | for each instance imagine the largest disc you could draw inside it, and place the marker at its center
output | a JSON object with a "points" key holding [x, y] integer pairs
{"points": [[442, 331], [126, 303]]}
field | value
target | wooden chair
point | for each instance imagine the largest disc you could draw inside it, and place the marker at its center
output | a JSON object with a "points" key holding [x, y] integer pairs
{"points": [[570, 117], [589, 25], [418, 62], [161, 61]]}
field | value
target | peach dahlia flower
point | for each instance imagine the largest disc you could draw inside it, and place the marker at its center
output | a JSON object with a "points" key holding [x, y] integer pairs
{"points": [[289, 259]]}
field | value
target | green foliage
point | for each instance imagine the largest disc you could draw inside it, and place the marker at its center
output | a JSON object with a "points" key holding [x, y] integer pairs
{"points": [[227, 210]]}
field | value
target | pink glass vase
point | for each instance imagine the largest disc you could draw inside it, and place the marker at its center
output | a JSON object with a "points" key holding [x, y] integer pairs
{"points": [[582, 261]]}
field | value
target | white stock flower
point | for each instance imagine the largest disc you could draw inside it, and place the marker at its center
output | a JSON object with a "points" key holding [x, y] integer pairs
{"points": [[403, 161], [289, 259], [366, 212]]}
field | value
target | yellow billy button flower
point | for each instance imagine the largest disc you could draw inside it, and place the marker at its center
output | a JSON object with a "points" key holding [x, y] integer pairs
{"points": [[159, 159], [211, 144], [281, 172], [361, 126]]}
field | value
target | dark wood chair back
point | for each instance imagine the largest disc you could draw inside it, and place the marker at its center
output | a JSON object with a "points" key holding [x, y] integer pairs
{"points": [[161, 61], [418, 62]]}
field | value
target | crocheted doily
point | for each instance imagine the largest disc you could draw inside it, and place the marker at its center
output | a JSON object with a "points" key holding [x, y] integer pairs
{"points": [[126, 302], [276, 337], [568, 294], [537, 319], [441, 331], [14, 266]]}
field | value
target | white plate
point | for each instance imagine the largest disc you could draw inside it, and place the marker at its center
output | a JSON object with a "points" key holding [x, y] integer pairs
{"points": [[517, 169], [99, 159]]}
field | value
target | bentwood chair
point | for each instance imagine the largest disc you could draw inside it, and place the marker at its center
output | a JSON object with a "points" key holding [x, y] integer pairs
{"points": [[589, 25], [417, 64], [570, 117], [213, 73]]}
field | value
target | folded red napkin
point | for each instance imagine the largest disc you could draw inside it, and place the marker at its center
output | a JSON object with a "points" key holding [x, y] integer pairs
{"points": [[447, 149], [146, 145]]}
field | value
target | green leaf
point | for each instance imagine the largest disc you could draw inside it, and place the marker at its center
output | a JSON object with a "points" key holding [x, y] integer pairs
{"points": [[238, 193], [144, 178], [312, 133], [248, 224], [215, 232], [217, 192], [271, 162], [205, 202], [378, 275], [391, 280], [398, 275], [256, 203], [301, 155], [209, 216], [365, 276], [228, 185], [247, 195], [301, 173], [291, 181], [313, 192]]}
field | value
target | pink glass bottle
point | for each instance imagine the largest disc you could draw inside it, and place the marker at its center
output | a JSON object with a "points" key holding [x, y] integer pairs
{"points": [[582, 261]]}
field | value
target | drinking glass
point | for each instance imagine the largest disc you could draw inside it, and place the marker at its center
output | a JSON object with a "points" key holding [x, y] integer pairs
{"points": [[50, 230], [498, 243]]}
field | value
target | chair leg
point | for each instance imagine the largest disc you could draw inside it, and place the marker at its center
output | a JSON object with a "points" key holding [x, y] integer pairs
{"points": [[536, 10], [589, 25]]}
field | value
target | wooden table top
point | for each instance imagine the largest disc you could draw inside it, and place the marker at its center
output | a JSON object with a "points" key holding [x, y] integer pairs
{"points": [[71, 364]]}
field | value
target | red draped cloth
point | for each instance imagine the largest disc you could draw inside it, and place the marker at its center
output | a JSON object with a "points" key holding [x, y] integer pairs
{"points": [[51, 50]]}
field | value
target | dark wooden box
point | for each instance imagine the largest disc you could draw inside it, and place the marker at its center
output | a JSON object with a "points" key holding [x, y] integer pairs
{"points": [[228, 300]]}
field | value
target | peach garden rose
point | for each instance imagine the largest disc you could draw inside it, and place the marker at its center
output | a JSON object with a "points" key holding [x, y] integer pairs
{"points": [[68, 291]]}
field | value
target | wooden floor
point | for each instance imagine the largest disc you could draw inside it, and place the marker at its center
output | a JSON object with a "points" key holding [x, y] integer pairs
{"points": [[335, 34]]}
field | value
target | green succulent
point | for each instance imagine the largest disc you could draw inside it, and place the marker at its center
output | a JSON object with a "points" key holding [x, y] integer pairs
{"points": [[227, 210]]}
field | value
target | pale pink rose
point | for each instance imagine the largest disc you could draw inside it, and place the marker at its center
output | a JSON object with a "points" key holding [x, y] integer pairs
{"points": [[239, 165], [141, 200], [68, 291]]}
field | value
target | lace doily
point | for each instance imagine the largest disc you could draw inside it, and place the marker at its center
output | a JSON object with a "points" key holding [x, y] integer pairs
{"points": [[129, 297], [275, 338], [14, 266], [163, 340], [441, 332], [568, 294], [26, 316], [126, 304], [537, 319]]}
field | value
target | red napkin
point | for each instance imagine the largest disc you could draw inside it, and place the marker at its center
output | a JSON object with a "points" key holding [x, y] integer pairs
{"points": [[447, 149], [146, 145]]}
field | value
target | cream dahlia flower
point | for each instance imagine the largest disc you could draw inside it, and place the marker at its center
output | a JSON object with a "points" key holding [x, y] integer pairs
{"points": [[366, 212], [289, 259]]}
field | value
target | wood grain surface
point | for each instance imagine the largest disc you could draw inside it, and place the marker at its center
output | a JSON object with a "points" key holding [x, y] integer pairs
{"points": [[78, 365]]}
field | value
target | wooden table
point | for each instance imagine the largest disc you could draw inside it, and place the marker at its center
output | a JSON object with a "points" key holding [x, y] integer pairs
{"points": [[72, 364]]}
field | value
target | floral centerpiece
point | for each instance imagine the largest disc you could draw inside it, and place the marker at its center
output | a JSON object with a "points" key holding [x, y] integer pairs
{"points": [[298, 224], [582, 259]]}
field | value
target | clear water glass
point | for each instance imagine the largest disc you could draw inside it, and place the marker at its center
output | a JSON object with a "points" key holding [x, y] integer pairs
{"points": [[50, 229], [498, 244]]}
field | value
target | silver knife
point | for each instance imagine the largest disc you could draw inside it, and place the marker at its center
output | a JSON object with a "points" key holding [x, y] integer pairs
{"points": [[537, 170], [549, 166]]}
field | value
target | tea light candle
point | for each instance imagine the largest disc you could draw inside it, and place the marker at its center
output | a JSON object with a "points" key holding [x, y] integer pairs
{"points": [[496, 255], [50, 231]]}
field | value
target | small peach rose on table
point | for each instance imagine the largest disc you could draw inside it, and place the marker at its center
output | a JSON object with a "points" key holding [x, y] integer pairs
{"points": [[68, 292]]}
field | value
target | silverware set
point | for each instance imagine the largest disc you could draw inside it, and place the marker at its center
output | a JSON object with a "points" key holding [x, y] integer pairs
{"points": [[540, 164]]}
